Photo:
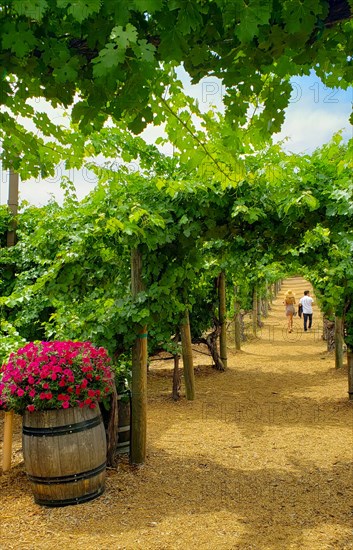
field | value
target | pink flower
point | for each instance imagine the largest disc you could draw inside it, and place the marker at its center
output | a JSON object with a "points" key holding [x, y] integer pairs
{"points": [[49, 374], [63, 397]]}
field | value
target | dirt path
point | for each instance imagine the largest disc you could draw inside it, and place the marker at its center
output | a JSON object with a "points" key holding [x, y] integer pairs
{"points": [[262, 459]]}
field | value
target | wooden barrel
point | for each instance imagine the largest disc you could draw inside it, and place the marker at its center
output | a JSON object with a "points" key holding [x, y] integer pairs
{"points": [[124, 421], [65, 455]]}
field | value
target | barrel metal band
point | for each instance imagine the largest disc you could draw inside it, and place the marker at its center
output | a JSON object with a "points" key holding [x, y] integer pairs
{"points": [[71, 478], [124, 429], [68, 501], [143, 335], [62, 430]]}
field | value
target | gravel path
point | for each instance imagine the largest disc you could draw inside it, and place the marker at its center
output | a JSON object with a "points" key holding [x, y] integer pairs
{"points": [[262, 459]]}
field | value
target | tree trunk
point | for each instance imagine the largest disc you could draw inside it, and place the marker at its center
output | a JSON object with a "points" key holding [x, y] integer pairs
{"points": [[211, 341], [338, 343], [139, 374], [330, 334], [187, 358], [222, 318], [237, 321]]}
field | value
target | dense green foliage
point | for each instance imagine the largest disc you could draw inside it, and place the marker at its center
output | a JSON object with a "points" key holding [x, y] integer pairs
{"points": [[218, 204], [5, 218], [112, 59], [72, 263]]}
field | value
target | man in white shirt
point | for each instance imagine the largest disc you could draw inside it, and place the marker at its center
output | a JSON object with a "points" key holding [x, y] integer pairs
{"points": [[307, 302]]}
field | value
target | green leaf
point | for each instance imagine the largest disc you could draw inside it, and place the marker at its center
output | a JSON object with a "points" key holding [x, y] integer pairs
{"points": [[301, 16], [145, 51], [189, 18], [80, 9], [33, 9], [149, 6], [109, 57], [18, 38], [124, 38], [252, 15], [66, 73]]}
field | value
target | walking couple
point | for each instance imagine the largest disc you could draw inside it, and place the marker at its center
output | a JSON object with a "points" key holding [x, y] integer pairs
{"points": [[306, 303]]}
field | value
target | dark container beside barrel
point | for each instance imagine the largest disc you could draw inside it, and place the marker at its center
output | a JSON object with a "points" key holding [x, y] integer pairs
{"points": [[65, 455], [124, 423]]}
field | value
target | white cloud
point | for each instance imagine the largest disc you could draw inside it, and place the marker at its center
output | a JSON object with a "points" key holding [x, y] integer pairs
{"points": [[309, 125]]}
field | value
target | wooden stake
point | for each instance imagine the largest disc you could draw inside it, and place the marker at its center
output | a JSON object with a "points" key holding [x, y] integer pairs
{"points": [[338, 343], [139, 374], [187, 357], [11, 241], [7, 446], [258, 310], [222, 318], [254, 312], [176, 378], [13, 206], [237, 322], [350, 372]]}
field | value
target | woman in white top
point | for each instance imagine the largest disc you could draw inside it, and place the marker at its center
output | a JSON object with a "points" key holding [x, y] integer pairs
{"points": [[289, 302]]}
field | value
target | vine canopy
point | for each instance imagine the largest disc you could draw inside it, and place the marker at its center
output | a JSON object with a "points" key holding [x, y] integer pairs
{"points": [[111, 58]]}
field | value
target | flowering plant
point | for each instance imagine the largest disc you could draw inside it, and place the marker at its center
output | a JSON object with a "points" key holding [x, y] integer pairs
{"points": [[55, 375]]}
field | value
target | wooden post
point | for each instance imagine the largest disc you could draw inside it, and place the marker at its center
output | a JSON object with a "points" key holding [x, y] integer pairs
{"points": [[7, 446], [237, 322], [176, 371], [338, 342], [265, 302], [139, 374], [187, 357], [254, 312], [272, 293], [176, 378], [12, 202], [258, 310], [350, 372], [222, 318]]}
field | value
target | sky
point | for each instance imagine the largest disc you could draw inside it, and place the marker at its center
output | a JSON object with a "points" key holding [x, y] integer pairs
{"points": [[314, 114]]}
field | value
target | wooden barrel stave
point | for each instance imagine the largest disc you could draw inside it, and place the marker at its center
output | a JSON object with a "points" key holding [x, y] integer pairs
{"points": [[65, 455]]}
